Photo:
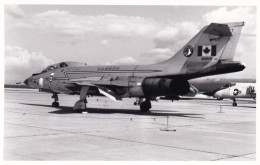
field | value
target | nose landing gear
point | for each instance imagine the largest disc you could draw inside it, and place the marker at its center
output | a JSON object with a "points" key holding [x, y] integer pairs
{"points": [[234, 102], [55, 97]]}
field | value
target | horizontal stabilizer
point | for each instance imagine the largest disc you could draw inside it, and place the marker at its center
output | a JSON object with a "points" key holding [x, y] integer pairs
{"points": [[218, 29], [222, 29]]}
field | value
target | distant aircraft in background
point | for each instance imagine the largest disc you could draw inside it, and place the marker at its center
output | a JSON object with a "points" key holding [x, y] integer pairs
{"points": [[209, 86], [210, 52], [220, 88], [212, 86], [238, 90]]}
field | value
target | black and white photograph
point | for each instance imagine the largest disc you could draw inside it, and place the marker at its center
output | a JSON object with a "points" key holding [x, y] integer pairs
{"points": [[105, 82]]}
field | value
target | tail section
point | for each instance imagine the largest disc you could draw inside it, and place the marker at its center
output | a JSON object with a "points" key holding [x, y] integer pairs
{"points": [[214, 44], [230, 48]]}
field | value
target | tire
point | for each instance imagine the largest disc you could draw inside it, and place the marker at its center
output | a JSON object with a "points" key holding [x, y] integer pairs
{"points": [[234, 104], [145, 106], [78, 111], [55, 104]]}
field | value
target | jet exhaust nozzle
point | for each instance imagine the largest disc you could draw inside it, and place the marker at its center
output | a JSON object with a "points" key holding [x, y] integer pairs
{"points": [[165, 87]]}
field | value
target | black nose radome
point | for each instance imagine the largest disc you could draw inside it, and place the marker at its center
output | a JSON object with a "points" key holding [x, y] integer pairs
{"points": [[26, 81]]}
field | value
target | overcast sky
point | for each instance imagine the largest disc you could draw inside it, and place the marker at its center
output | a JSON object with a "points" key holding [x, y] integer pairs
{"points": [[39, 35]]}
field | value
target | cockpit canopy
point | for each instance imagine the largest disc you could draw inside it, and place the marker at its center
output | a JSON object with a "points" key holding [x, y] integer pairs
{"points": [[63, 65], [229, 85]]}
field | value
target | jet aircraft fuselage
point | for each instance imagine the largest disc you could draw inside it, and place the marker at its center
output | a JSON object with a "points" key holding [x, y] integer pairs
{"points": [[210, 52]]}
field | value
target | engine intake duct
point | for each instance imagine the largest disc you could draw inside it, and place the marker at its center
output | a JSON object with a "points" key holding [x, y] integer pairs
{"points": [[165, 87]]}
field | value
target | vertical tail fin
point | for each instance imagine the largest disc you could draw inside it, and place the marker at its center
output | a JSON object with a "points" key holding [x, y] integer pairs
{"points": [[231, 46], [214, 43]]}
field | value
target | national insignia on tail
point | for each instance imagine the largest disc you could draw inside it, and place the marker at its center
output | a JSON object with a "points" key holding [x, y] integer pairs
{"points": [[207, 51], [188, 51]]}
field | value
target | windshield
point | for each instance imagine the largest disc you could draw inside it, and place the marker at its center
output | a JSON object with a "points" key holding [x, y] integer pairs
{"points": [[63, 64], [55, 66], [229, 85], [49, 68]]}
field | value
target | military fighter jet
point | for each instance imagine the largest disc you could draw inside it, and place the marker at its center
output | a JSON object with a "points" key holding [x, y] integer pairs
{"points": [[238, 90], [210, 52], [209, 86]]}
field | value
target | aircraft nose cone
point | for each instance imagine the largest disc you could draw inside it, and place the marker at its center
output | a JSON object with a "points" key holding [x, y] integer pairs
{"points": [[218, 94], [26, 82]]}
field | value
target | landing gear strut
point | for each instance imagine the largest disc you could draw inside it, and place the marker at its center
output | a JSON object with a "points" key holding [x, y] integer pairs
{"points": [[81, 104], [138, 101], [146, 105], [55, 97], [234, 102]]}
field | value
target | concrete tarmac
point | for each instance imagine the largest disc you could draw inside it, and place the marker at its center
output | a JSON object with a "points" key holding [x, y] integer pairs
{"points": [[197, 130]]}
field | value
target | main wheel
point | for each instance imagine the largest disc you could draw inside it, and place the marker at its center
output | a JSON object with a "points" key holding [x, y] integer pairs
{"points": [[145, 106], [79, 111], [55, 104], [234, 104]]}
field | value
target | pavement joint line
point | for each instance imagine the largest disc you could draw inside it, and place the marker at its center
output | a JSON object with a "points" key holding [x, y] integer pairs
{"points": [[246, 122], [41, 127], [67, 132], [181, 148], [235, 156], [191, 126], [9, 137], [87, 134], [26, 156], [211, 130]]}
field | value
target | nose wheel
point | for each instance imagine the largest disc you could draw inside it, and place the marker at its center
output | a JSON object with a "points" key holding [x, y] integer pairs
{"points": [[234, 102], [55, 97]]}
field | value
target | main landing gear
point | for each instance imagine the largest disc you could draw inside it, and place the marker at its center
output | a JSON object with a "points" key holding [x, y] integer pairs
{"points": [[138, 101], [146, 105], [55, 97], [234, 102], [81, 104]]}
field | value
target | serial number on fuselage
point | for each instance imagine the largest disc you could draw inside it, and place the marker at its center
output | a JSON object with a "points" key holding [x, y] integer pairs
{"points": [[109, 68], [206, 58]]}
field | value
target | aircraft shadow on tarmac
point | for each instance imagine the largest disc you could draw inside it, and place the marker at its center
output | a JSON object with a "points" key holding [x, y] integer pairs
{"points": [[68, 110]]}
